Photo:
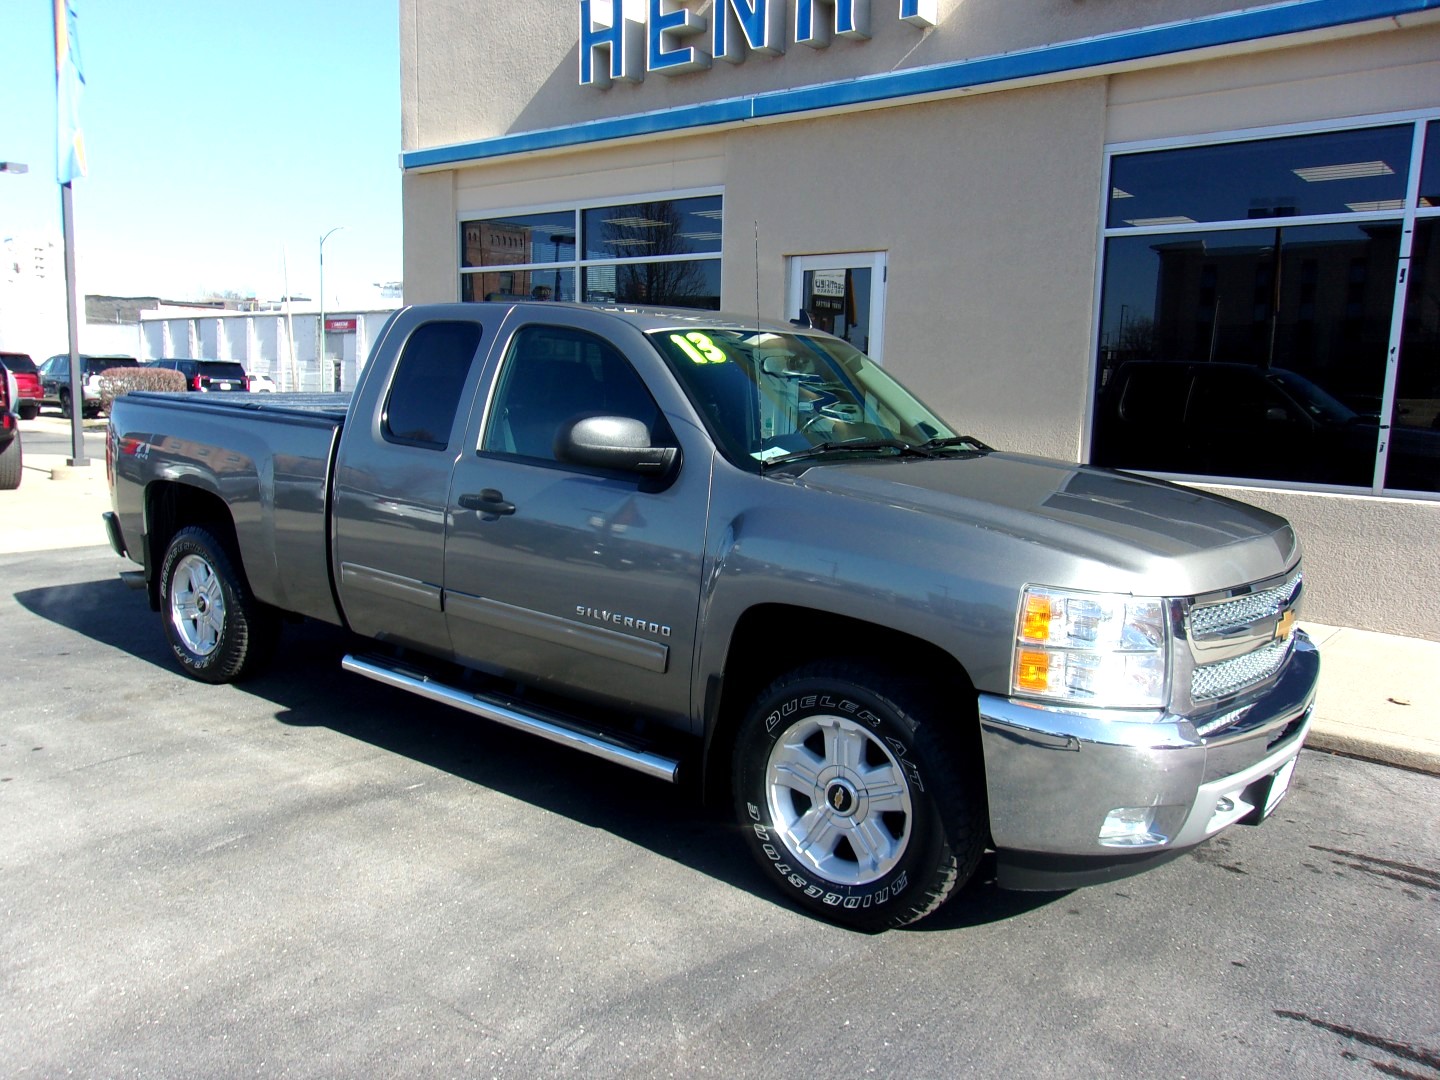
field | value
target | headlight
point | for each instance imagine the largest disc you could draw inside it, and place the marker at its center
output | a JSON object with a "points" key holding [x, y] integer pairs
{"points": [[1091, 649]]}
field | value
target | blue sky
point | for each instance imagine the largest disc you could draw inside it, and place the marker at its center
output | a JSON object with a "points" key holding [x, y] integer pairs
{"points": [[218, 135]]}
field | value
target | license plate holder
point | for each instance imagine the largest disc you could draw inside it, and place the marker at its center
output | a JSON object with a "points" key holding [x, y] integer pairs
{"points": [[1279, 786]]}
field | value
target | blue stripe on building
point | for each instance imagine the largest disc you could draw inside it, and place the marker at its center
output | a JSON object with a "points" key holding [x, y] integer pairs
{"points": [[1231, 28]]}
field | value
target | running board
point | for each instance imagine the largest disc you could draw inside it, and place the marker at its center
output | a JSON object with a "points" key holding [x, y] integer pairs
{"points": [[547, 726]]}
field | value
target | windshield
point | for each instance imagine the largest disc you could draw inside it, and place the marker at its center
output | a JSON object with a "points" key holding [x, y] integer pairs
{"points": [[766, 396], [94, 365], [19, 363], [1315, 401]]}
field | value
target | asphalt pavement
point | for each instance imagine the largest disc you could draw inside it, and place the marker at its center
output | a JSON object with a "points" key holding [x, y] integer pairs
{"points": [[309, 875], [1379, 695]]}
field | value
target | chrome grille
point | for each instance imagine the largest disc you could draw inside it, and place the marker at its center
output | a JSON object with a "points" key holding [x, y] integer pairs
{"points": [[1244, 610], [1211, 681]]}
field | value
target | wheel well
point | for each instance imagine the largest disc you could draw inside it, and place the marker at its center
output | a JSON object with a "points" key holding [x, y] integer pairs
{"points": [[170, 507], [771, 639]]}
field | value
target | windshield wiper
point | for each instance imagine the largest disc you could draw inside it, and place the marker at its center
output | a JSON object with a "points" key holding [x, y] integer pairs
{"points": [[957, 440], [852, 446]]}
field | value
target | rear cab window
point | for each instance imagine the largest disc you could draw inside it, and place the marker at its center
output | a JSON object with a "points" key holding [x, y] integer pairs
{"points": [[424, 394]]}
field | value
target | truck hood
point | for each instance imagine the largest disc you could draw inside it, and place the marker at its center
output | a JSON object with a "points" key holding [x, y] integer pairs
{"points": [[1178, 540]]}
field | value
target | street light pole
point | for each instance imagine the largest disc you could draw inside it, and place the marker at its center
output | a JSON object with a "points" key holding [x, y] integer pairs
{"points": [[320, 340]]}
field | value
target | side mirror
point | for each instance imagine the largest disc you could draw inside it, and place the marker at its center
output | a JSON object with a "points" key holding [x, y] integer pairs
{"points": [[615, 442]]}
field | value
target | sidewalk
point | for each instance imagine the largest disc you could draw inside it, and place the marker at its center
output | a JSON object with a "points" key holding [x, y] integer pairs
{"points": [[1379, 696]]}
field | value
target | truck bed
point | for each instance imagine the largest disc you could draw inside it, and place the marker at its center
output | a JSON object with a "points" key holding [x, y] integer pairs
{"points": [[267, 458]]}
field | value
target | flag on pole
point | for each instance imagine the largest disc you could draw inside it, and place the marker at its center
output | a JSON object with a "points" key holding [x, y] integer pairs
{"points": [[69, 83]]}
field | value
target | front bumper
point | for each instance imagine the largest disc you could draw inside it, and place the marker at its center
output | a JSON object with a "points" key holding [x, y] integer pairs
{"points": [[1054, 775]]}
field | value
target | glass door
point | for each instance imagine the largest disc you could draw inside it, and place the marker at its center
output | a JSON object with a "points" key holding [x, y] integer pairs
{"points": [[843, 295]]}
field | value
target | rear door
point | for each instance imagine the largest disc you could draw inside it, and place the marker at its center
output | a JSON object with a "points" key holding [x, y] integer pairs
{"points": [[392, 478], [575, 579]]}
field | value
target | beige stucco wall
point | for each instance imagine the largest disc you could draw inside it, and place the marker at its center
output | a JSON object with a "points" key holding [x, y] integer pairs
{"points": [[431, 239], [1369, 563], [488, 68], [1377, 73]]}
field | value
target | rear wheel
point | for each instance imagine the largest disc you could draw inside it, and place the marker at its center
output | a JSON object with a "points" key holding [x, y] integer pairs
{"points": [[859, 804], [29, 412], [217, 630], [65, 404]]}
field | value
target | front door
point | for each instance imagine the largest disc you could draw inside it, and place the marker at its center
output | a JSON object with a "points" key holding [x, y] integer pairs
{"points": [[580, 580], [843, 295]]}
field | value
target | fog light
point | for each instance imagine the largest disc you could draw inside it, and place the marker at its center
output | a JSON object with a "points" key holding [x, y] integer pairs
{"points": [[1131, 826]]}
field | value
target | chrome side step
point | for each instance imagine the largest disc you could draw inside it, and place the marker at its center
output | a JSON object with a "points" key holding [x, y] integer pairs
{"points": [[547, 726]]}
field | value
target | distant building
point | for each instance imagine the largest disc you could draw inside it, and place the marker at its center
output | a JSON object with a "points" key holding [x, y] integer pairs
{"points": [[32, 293]]}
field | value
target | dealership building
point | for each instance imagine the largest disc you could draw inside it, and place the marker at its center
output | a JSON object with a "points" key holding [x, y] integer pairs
{"points": [[1197, 239]]}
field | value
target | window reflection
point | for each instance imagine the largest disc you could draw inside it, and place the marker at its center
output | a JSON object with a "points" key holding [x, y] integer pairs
{"points": [[531, 284], [630, 253], [1345, 172], [1247, 353], [1414, 459], [691, 283], [1430, 169], [526, 238], [648, 229]]}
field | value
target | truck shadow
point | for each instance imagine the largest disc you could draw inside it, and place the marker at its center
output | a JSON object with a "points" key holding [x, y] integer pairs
{"points": [[304, 686]]}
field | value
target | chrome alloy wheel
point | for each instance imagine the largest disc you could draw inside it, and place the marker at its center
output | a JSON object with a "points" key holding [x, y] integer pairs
{"points": [[197, 605], [839, 799]]}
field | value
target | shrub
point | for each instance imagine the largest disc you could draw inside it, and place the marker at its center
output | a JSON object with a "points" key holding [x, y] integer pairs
{"points": [[121, 380]]}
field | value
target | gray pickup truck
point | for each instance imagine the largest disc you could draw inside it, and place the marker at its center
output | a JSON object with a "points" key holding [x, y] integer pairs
{"points": [[698, 545]]}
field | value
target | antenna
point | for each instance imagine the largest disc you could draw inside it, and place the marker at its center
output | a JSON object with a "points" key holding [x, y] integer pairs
{"points": [[757, 277]]}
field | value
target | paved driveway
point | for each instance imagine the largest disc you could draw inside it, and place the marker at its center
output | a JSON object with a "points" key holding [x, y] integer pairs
{"points": [[316, 876]]}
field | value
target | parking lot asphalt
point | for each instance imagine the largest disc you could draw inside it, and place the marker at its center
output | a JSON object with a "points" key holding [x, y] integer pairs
{"points": [[310, 876]]}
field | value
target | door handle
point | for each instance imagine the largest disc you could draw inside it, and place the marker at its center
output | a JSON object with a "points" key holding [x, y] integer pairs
{"points": [[489, 501]]}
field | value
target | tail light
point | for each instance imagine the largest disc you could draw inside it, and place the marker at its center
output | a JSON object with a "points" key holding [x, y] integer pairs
{"points": [[247, 382], [197, 383]]}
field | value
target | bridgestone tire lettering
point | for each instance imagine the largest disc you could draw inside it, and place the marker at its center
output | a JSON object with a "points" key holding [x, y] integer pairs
{"points": [[865, 808], [217, 631]]}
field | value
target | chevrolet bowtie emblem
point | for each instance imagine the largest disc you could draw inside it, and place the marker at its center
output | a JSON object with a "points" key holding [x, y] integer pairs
{"points": [[1285, 627], [837, 798]]}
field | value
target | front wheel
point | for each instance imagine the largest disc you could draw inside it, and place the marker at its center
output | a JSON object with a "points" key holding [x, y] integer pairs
{"points": [[65, 404], [850, 793], [217, 630]]}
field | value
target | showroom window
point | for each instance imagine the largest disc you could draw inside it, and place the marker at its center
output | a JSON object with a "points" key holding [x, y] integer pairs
{"points": [[663, 251], [1254, 294]]}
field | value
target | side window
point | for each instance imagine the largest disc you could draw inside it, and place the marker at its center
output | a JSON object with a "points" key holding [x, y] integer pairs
{"points": [[425, 392], [554, 376]]}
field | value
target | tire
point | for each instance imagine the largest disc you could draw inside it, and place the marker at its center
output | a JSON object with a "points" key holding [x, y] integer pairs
{"points": [[12, 460], [903, 824], [29, 412], [65, 404], [217, 630]]}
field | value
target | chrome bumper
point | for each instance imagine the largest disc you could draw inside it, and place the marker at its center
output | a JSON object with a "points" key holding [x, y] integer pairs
{"points": [[1054, 775]]}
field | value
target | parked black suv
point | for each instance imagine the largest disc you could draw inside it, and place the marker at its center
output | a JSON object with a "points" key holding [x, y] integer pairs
{"points": [[207, 375], [1241, 420]]}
